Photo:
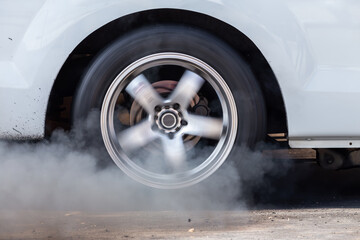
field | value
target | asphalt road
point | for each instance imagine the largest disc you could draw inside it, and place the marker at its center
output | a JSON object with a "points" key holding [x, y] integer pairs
{"points": [[308, 223], [306, 202]]}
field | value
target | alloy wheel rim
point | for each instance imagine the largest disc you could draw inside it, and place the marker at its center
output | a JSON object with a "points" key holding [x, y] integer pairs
{"points": [[166, 122]]}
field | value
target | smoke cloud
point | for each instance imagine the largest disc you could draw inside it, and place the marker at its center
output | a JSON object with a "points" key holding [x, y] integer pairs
{"points": [[63, 174]]}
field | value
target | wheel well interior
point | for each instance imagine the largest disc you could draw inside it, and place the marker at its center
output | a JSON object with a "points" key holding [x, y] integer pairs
{"points": [[64, 88]]}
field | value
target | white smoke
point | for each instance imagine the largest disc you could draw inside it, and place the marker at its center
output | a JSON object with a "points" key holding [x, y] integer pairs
{"points": [[61, 175]]}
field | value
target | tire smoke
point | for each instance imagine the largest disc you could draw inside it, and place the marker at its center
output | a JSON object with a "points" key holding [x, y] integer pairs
{"points": [[65, 173], [61, 175]]}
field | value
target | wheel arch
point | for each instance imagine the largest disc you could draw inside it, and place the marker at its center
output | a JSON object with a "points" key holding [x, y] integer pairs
{"points": [[59, 107]]}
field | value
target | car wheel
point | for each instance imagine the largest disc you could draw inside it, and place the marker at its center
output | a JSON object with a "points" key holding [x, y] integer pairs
{"points": [[174, 104]]}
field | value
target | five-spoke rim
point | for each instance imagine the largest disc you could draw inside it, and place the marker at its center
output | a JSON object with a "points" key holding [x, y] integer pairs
{"points": [[166, 120]]}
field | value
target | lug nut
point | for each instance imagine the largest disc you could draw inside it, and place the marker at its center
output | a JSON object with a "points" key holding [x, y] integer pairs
{"points": [[176, 106], [157, 108], [171, 135], [184, 122]]}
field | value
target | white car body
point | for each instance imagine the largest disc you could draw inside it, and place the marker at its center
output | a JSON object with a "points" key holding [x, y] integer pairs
{"points": [[312, 46]]}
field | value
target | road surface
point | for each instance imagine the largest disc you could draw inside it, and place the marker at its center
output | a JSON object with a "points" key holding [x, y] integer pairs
{"points": [[305, 203]]}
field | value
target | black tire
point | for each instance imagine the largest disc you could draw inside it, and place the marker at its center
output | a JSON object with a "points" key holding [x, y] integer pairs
{"points": [[189, 42]]}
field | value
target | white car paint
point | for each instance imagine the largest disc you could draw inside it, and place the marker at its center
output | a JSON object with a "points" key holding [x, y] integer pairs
{"points": [[311, 45]]}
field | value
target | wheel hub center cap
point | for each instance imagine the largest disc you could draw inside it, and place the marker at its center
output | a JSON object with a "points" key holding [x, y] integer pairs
{"points": [[168, 120]]}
